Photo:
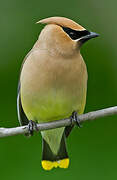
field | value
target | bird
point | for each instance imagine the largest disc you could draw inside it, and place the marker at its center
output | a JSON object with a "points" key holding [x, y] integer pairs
{"points": [[53, 85]]}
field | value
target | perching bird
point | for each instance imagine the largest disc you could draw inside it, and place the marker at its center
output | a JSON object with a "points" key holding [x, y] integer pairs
{"points": [[53, 84]]}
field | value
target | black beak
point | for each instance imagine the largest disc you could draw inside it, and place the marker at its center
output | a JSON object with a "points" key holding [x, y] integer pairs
{"points": [[88, 36]]}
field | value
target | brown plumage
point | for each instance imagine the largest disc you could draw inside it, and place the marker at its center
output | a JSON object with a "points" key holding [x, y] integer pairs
{"points": [[53, 83], [62, 21]]}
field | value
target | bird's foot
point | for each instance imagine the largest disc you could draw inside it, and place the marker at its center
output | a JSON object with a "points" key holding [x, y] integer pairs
{"points": [[32, 126], [74, 118]]}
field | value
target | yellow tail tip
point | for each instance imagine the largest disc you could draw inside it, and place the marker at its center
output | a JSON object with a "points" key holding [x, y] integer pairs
{"points": [[48, 165]]}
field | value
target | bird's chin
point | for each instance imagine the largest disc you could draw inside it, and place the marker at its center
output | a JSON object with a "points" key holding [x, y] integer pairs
{"points": [[82, 41]]}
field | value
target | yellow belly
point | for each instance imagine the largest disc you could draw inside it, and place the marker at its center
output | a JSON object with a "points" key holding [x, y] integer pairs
{"points": [[52, 105], [53, 89]]}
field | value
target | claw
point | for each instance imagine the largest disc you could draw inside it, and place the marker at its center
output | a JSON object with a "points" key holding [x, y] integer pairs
{"points": [[74, 117], [31, 127]]}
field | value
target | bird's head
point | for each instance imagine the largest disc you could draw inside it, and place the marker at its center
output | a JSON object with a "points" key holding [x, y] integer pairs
{"points": [[63, 36]]}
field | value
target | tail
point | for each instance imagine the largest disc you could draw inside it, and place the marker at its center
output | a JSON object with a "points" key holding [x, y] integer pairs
{"points": [[50, 160]]}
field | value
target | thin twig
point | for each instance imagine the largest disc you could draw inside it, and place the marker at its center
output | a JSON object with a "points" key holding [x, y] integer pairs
{"points": [[61, 123]]}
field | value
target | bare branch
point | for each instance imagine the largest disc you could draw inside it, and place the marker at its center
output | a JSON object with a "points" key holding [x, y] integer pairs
{"points": [[61, 123]]}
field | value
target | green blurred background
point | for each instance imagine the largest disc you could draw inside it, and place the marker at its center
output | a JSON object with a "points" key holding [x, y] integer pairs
{"points": [[93, 148]]}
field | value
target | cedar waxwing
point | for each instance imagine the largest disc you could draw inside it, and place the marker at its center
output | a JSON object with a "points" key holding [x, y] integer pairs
{"points": [[53, 84]]}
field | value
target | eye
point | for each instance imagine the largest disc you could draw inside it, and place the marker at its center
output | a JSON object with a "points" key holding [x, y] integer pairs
{"points": [[74, 34]]}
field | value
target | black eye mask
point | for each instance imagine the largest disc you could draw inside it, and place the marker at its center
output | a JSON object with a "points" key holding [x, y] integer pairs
{"points": [[74, 34]]}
